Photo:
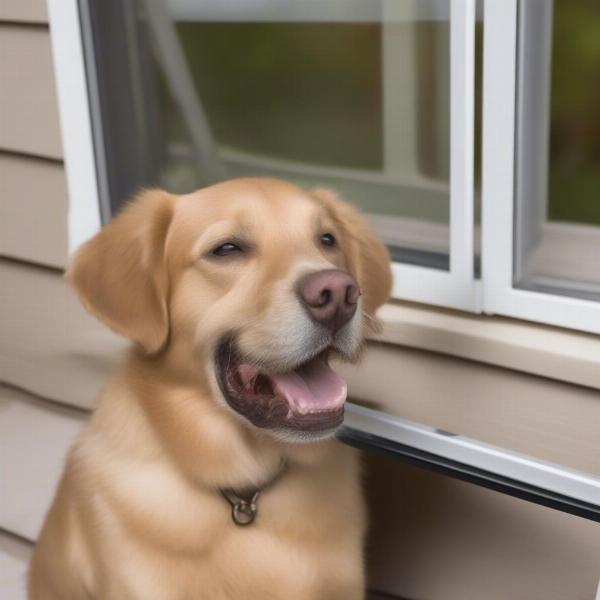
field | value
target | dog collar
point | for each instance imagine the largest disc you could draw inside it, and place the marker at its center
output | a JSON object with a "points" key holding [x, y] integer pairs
{"points": [[244, 506]]}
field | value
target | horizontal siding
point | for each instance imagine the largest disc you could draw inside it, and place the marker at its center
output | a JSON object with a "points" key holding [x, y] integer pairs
{"points": [[14, 560], [48, 343], [24, 11], [28, 104], [546, 419], [30, 471], [33, 211]]}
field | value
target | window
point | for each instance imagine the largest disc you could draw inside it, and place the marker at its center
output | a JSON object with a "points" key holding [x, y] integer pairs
{"points": [[400, 106], [541, 161], [368, 98], [558, 164]]}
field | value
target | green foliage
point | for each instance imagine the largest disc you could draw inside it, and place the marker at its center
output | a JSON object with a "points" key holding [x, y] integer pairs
{"points": [[575, 113]]}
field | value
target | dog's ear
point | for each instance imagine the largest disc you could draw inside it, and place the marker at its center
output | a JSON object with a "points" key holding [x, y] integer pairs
{"points": [[120, 274], [370, 259]]}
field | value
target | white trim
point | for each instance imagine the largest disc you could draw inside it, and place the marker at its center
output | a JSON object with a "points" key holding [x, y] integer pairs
{"points": [[541, 350], [435, 287], [76, 127], [462, 112], [507, 463], [499, 87], [458, 287], [561, 311], [499, 77]]}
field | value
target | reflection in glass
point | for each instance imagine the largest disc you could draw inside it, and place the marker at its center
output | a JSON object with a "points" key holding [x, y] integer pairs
{"points": [[356, 100], [558, 188]]}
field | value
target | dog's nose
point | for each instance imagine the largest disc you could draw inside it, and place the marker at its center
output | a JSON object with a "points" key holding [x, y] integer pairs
{"points": [[329, 297]]}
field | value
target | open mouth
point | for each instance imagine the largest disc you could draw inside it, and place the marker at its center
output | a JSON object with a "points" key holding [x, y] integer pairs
{"points": [[309, 398]]}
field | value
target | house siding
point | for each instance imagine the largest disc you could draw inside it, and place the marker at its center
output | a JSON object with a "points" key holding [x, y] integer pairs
{"points": [[28, 105], [35, 346], [24, 11], [33, 211]]}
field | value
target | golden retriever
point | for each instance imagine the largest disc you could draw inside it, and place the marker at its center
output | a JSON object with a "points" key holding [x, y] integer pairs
{"points": [[209, 468]]}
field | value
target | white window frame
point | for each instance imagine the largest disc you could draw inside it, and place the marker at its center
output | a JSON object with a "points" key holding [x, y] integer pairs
{"points": [[456, 288], [498, 212], [84, 218]]}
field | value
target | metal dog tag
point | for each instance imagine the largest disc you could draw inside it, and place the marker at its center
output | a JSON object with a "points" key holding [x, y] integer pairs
{"points": [[243, 512]]}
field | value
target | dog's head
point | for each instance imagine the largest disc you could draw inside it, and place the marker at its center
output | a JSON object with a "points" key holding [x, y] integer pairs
{"points": [[250, 285]]}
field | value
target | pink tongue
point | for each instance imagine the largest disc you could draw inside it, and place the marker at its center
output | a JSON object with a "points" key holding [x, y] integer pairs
{"points": [[313, 387]]}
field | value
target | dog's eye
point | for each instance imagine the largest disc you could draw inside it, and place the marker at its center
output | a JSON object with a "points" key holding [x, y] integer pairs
{"points": [[226, 249], [327, 239]]}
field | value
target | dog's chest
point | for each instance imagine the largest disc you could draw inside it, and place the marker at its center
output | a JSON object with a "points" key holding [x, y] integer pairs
{"points": [[282, 555], [306, 539]]}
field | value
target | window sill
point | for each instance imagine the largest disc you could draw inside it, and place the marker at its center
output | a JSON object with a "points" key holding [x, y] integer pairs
{"points": [[551, 352]]}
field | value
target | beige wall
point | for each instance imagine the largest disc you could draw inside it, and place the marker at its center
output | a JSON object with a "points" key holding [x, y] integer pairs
{"points": [[437, 538], [432, 537], [34, 433]]}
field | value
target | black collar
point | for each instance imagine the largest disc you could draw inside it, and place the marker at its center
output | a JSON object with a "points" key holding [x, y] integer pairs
{"points": [[244, 507]]}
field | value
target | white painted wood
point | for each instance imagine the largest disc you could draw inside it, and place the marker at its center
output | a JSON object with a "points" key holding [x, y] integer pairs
{"points": [[561, 311], [458, 287], [462, 123], [434, 287], [76, 128], [499, 76], [500, 297]]}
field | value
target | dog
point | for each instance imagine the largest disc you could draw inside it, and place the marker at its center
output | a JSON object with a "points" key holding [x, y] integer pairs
{"points": [[209, 469]]}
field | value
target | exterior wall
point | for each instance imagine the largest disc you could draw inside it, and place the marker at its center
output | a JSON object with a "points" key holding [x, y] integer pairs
{"points": [[432, 537], [36, 311], [436, 538]]}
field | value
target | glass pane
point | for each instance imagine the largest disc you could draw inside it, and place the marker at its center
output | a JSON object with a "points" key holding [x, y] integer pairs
{"points": [[353, 96], [558, 190]]}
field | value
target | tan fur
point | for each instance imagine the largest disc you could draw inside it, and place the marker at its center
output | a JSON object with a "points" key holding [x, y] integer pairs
{"points": [[137, 514]]}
